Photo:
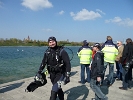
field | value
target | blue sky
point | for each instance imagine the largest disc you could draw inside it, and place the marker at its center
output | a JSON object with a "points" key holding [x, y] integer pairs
{"points": [[75, 20]]}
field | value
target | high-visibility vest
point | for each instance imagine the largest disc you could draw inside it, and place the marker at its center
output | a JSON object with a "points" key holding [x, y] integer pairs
{"points": [[110, 53], [85, 56]]}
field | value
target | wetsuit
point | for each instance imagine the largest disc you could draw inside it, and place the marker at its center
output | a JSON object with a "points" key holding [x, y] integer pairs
{"points": [[58, 64]]}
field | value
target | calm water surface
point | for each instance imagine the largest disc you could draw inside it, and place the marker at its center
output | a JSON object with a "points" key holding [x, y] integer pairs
{"points": [[22, 62]]}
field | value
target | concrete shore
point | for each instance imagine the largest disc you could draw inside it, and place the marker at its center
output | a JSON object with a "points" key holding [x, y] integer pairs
{"points": [[73, 91]]}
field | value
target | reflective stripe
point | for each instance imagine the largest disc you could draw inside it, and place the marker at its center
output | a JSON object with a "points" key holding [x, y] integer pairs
{"points": [[109, 52], [85, 55]]}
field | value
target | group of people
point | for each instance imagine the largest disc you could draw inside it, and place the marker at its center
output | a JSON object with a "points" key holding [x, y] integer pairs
{"points": [[97, 58]]}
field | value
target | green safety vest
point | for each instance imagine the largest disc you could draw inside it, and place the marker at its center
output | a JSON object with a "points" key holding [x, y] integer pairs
{"points": [[110, 53], [85, 56]]}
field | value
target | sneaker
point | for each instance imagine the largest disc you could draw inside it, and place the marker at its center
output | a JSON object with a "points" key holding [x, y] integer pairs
{"points": [[122, 88]]}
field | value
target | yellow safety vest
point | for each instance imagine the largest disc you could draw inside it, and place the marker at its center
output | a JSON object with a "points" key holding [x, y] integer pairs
{"points": [[110, 53], [85, 56]]}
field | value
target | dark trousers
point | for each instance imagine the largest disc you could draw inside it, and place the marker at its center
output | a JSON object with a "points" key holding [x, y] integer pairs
{"points": [[127, 78], [56, 88]]}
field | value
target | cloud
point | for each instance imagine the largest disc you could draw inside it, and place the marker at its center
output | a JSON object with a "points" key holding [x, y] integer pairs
{"points": [[85, 15], [98, 10], [1, 4], [47, 30], [61, 12], [36, 5], [124, 22]]}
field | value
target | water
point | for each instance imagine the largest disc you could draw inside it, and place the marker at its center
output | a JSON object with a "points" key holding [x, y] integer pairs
{"points": [[22, 62]]}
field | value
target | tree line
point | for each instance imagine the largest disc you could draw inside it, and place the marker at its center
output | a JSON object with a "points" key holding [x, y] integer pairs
{"points": [[26, 42]]}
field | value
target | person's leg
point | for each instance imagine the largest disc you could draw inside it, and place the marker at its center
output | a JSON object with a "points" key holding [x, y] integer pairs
{"points": [[88, 73], [111, 72], [124, 79], [97, 90], [55, 78], [61, 94], [104, 70], [118, 70], [121, 70], [129, 77], [82, 73]]}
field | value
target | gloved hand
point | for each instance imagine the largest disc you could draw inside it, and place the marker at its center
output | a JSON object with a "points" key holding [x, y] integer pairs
{"points": [[67, 78], [38, 76]]}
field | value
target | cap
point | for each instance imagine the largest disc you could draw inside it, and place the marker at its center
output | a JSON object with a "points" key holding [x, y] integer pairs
{"points": [[97, 45], [51, 39], [85, 42]]}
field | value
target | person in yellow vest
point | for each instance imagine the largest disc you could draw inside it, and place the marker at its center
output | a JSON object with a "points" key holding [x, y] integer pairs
{"points": [[85, 56], [110, 51]]}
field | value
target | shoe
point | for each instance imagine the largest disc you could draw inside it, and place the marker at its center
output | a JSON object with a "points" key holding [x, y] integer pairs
{"points": [[80, 82], [130, 87], [109, 85], [118, 79], [122, 88], [93, 99]]}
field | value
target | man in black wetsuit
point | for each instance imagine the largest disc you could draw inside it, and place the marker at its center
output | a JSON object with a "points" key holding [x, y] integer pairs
{"points": [[58, 65]]}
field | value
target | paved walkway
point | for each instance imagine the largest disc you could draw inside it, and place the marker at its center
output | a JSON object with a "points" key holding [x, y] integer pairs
{"points": [[73, 91]]}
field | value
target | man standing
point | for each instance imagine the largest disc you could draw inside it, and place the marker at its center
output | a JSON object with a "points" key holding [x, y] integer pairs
{"points": [[58, 65], [96, 73], [127, 57], [85, 55], [118, 61], [110, 52]]}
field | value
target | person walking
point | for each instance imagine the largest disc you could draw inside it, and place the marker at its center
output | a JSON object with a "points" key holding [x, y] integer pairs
{"points": [[96, 73], [85, 55], [110, 51], [127, 63], [58, 66], [118, 61]]}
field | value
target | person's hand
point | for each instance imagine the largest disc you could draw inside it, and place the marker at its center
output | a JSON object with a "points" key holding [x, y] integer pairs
{"points": [[90, 67], [67, 78], [98, 79], [38, 77]]}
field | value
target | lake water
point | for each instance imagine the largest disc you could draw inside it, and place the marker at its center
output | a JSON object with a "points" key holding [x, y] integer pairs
{"points": [[22, 62]]}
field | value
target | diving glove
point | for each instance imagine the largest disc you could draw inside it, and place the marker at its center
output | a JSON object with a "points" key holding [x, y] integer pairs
{"points": [[67, 78]]}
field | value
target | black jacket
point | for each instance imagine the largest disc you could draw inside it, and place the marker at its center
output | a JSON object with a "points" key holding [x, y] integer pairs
{"points": [[97, 65], [127, 53], [51, 60]]}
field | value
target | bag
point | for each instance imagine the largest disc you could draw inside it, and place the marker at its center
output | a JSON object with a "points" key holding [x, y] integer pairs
{"points": [[129, 63]]}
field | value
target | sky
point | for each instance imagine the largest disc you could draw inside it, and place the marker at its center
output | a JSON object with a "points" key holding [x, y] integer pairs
{"points": [[73, 20]]}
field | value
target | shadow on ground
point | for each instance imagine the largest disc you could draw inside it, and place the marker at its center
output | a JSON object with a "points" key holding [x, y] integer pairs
{"points": [[77, 92], [10, 87]]}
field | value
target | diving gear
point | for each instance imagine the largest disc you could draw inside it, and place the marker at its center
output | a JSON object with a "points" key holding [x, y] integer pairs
{"points": [[39, 80]]}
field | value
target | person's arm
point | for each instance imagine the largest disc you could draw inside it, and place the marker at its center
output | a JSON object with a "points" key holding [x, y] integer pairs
{"points": [[99, 61], [66, 60], [124, 54], [44, 61]]}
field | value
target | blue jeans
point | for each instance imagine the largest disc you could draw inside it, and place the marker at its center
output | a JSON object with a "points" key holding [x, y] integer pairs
{"points": [[83, 67], [127, 78], [96, 88], [111, 72], [119, 70]]}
